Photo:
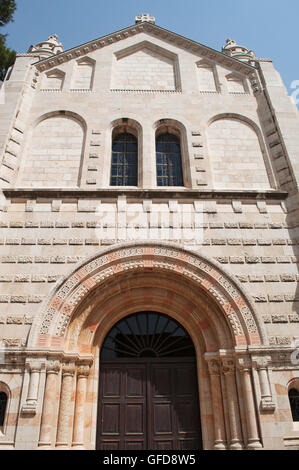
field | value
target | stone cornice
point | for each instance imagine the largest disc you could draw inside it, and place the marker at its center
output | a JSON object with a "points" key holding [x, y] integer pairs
{"points": [[55, 193], [28, 54], [156, 31]]}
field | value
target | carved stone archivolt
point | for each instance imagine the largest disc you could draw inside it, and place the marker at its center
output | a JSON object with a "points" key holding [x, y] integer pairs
{"points": [[202, 272]]}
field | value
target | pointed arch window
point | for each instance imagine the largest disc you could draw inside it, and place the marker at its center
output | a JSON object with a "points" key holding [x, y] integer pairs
{"points": [[3, 406], [169, 160], [294, 403], [124, 160]]}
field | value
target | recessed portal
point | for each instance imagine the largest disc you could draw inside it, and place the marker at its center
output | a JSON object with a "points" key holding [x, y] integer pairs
{"points": [[148, 391]]}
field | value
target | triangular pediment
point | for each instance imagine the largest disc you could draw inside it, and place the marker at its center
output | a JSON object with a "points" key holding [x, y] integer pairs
{"points": [[146, 66], [154, 31]]}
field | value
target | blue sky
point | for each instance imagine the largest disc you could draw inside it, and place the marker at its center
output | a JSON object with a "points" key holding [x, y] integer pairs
{"points": [[269, 27]]}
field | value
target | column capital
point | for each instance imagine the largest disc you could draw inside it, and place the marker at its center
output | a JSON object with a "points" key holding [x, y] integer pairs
{"points": [[83, 370], [261, 362], [214, 366], [53, 367], [228, 366], [34, 365], [244, 363], [68, 368]]}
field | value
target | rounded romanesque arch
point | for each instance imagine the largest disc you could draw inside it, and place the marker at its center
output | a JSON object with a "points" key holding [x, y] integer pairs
{"points": [[176, 129], [132, 276], [123, 280], [55, 147], [238, 153]]}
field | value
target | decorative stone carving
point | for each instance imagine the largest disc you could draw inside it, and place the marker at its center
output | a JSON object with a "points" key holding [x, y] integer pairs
{"points": [[53, 367], [145, 17], [214, 366], [135, 257], [68, 368], [228, 366], [47, 320], [244, 363]]}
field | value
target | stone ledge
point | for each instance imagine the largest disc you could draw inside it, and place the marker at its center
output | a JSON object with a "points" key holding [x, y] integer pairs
{"points": [[33, 193]]}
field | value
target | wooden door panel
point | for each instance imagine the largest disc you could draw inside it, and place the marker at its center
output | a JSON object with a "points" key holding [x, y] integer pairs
{"points": [[187, 419], [151, 405], [162, 418], [135, 381], [111, 417], [180, 418], [111, 382], [135, 419], [163, 445], [161, 381], [189, 444], [109, 445], [184, 380], [122, 407], [135, 445]]}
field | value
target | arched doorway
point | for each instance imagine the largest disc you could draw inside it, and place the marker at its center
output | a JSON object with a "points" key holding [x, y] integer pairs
{"points": [[186, 286], [148, 391]]}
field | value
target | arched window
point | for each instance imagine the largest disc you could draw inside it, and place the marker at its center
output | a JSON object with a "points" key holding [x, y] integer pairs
{"points": [[294, 403], [3, 405], [169, 160], [124, 160], [147, 334]]}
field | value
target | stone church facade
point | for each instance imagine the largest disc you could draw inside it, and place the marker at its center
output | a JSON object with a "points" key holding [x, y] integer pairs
{"points": [[148, 247]]}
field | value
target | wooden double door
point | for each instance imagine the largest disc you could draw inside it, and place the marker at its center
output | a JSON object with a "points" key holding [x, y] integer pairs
{"points": [[148, 404]]}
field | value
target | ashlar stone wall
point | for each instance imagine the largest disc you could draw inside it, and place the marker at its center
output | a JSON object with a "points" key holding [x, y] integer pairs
{"points": [[238, 206]]}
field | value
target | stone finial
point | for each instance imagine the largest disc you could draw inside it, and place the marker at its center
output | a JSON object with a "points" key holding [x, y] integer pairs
{"points": [[145, 17], [236, 51], [47, 48]]}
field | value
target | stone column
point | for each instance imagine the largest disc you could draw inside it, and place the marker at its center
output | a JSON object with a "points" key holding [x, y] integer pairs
{"points": [[219, 427], [68, 371], [148, 164], [228, 369], [252, 428], [49, 407], [34, 366], [261, 364], [78, 433]]}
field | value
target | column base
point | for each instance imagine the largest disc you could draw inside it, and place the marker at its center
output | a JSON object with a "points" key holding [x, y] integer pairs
{"points": [[44, 445], [220, 445], [29, 409], [62, 445], [267, 405], [254, 444], [236, 445]]}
